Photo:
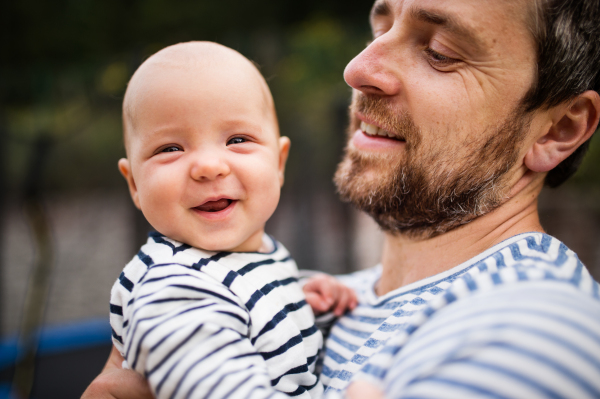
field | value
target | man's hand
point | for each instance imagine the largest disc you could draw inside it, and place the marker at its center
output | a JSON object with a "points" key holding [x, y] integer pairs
{"points": [[325, 293], [117, 383], [362, 389]]}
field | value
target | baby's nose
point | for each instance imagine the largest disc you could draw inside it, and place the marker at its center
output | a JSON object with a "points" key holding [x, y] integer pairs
{"points": [[207, 167]]}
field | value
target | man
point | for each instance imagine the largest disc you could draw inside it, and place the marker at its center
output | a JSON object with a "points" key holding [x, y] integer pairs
{"points": [[462, 110]]}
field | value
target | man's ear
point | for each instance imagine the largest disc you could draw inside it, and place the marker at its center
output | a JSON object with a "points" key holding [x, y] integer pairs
{"points": [[284, 150], [125, 169], [572, 125]]}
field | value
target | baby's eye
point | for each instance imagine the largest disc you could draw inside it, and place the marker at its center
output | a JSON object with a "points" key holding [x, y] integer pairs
{"points": [[171, 148], [236, 140]]}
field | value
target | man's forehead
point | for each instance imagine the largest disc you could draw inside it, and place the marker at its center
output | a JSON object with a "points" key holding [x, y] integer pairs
{"points": [[450, 15]]}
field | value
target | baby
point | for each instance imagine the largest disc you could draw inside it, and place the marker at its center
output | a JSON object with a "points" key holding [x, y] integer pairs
{"points": [[211, 306]]}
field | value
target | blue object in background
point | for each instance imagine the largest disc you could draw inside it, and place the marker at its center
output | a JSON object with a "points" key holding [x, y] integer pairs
{"points": [[69, 356]]}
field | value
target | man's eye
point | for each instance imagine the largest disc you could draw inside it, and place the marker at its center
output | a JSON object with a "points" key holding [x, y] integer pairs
{"points": [[171, 148], [236, 140], [439, 60]]}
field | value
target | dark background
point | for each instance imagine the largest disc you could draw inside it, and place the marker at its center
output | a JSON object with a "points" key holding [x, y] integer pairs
{"points": [[67, 224]]}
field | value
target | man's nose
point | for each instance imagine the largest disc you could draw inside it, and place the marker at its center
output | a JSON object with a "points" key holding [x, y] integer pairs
{"points": [[207, 167], [375, 69]]}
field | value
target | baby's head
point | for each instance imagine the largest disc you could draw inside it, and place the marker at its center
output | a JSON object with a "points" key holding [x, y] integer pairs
{"points": [[204, 158]]}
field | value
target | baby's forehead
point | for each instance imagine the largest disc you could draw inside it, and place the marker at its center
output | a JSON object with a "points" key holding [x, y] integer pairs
{"points": [[201, 61]]}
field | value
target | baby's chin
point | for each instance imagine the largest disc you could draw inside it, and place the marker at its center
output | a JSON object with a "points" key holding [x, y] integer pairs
{"points": [[216, 244]]}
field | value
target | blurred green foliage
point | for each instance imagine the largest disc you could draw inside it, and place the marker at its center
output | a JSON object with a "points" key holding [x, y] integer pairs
{"points": [[65, 65]]}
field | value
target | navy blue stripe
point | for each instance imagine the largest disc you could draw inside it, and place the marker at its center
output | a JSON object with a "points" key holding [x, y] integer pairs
{"points": [[146, 259], [266, 289], [154, 279], [282, 314], [283, 348], [159, 316], [115, 309], [159, 239], [205, 261], [249, 354], [159, 343], [277, 283], [296, 370], [299, 391], [125, 282], [251, 266], [253, 299], [228, 394], [166, 376], [215, 370], [205, 291], [172, 351], [309, 331], [229, 278], [116, 336], [193, 365], [235, 316]]}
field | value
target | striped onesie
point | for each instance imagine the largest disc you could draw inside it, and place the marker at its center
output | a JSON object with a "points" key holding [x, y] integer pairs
{"points": [[215, 324], [520, 320]]}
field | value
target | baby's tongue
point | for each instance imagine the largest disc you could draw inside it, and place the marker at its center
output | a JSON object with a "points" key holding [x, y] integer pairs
{"points": [[214, 206]]}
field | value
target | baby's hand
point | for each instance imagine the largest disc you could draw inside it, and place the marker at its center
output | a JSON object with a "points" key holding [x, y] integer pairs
{"points": [[325, 293]]}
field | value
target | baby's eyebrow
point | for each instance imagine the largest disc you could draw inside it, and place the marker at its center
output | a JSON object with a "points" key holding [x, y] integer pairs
{"points": [[242, 124]]}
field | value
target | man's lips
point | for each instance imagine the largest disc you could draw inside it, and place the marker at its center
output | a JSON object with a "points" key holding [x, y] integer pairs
{"points": [[215, 206], [375, 131]]}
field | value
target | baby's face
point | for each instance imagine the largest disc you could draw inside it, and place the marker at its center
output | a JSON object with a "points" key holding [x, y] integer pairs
{"points": [[205, 160]]}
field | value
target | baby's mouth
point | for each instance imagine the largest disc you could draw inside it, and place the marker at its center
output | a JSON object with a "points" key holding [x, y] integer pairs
{"points": [[215, 206]]}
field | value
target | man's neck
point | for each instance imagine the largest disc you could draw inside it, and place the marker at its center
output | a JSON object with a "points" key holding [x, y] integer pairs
{"points": [[407, 260]]}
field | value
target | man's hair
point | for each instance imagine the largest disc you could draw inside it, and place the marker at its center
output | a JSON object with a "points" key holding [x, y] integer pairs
{"points": [[567, 35]]}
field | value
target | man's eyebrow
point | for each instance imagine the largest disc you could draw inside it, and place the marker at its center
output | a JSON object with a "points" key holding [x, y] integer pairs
{"points": [[380, 8], [447, 22]]}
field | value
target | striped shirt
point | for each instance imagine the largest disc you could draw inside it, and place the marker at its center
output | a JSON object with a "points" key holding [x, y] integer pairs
{"points": [[521, 320], [215, 324]]}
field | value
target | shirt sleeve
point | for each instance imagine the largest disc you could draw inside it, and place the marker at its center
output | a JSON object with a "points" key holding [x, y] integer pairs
{"points": [[528, 340], [188, 335]]}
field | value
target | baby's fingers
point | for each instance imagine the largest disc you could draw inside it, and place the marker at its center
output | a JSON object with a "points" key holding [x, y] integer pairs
{"points": [[317, 303], [346, 300], [323, 285]]}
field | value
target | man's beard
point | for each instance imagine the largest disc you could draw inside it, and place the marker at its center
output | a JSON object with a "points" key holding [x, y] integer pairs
{"points": [[425, 192]]}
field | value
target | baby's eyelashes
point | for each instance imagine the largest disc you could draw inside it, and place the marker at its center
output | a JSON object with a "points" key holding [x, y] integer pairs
{"points": [[171, 149], [236, 140], [168, 148]]}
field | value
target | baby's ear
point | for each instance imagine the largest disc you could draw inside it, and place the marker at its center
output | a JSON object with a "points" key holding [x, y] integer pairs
{"points": [[125, 169], [572, 124], [284, 150]]}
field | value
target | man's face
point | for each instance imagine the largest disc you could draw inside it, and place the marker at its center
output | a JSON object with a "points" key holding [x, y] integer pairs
{"points": [[435, 120]]}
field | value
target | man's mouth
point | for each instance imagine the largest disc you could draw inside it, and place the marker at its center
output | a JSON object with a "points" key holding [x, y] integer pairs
{"points": [[375, 131], [215, 206]]}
